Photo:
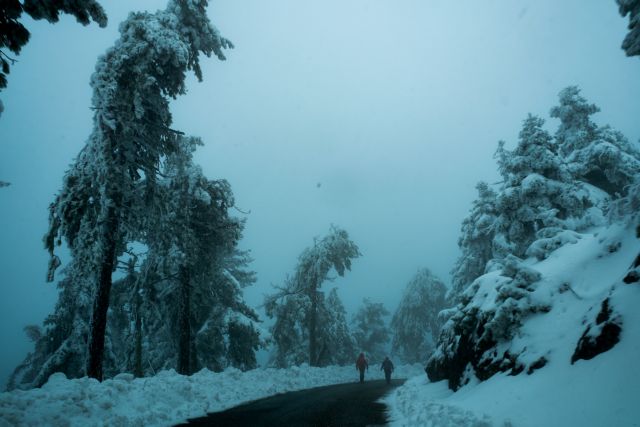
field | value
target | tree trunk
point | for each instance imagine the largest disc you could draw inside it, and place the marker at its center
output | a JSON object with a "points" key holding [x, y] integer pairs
{"points": [[101, 302], [137, 367], [184, 340], [313, 320]]}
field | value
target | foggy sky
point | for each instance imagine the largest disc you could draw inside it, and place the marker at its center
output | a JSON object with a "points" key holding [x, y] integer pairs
{"points": [[394, 108]]}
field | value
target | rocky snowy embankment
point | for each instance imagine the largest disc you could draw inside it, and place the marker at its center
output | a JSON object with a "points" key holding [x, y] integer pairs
{"points": [[163, 400], [578, 385]]}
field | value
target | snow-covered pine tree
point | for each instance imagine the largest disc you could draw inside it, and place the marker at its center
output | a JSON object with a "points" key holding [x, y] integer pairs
{"points": [[132, 85], [124, 326], [538, 197], [60, 345], [336, 345], [296, 305], [290, 330], [194, 240], [599, 156], [491, 312], [548, 195], [475, 242], [370, 330], [631, 43], [226, 328], [415, 325]]}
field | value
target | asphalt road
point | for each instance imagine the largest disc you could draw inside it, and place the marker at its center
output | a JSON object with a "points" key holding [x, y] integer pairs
{"points": [[351, 404]]}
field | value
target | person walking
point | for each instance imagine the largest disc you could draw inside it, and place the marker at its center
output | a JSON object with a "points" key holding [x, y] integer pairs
{"points": [[361, 365], [387, 367]]}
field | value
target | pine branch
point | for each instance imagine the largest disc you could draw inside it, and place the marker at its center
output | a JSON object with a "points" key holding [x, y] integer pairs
{"points": [[10, 59]]}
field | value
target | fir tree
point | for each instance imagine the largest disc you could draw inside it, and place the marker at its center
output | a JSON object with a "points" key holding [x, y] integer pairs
{"points": [[290, 333], [631, 43], [415, 325], [475, 241], [59, 346], [599, 156], [14, 35], [290, 330], [195, 239], [538, 196], [370, 330], [132, 86], [551, 191], [335, 341], [297, 304]]}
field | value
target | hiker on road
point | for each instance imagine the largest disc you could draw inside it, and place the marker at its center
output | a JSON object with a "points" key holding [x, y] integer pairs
{"points": [[361, 365], [387, 367]]}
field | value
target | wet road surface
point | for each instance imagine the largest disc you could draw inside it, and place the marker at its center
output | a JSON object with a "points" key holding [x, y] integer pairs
{"points": [[351, 404]]}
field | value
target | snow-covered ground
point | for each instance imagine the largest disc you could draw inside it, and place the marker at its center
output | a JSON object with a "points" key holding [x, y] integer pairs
{"points": [[163, 400], [599, 392]]}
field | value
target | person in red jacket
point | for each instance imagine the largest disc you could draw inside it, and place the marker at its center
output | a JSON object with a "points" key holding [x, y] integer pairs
{"points": [[361, 365]]}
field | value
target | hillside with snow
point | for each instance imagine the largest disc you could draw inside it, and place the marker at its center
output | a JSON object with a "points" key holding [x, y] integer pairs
{"points": [[582, 285]]}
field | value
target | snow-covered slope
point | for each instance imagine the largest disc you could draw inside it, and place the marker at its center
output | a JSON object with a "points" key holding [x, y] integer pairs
{"points": [[165, 399], [602, 391]]}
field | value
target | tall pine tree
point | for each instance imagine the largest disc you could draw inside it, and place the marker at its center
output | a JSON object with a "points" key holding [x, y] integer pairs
{"points": [[415, 325], [296, 306], [132, 85], [370, 330], [475, 241]]}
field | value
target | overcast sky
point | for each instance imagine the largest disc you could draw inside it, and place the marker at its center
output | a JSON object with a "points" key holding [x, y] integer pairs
{"points": [[377, 116]]}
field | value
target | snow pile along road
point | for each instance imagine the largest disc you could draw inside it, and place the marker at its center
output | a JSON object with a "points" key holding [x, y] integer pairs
{"points": [[167, 398], [601, 391]]}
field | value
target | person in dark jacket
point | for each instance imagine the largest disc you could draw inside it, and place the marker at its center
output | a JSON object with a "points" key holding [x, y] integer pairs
{"points": [[387, 367], [361, 365]]}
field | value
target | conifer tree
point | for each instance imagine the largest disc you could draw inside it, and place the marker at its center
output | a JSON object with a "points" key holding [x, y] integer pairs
{"points": [[132, 85], [297, 304], [600, 156], [415, 325], [335, 342], [370, 330], [14, 35], [194, 239], [290, 332], [538, 194], [60, 345], [551, 191], [631, 43], [475, 241]]}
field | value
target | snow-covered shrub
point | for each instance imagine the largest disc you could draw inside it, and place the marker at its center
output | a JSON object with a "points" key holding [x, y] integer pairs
{"points": [[542, 247], [491, 312]]}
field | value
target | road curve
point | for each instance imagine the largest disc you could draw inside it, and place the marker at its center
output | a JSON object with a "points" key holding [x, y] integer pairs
{"points": [[351, 404]]}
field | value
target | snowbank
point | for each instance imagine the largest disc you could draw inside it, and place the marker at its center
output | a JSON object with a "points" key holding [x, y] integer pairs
{"points": [[163, 400], [599, 392]]}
